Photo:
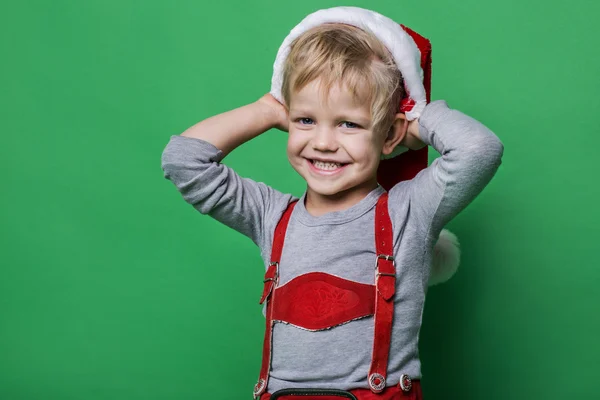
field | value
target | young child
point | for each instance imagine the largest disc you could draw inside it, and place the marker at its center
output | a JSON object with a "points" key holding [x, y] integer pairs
{"points": [[348, 263]]}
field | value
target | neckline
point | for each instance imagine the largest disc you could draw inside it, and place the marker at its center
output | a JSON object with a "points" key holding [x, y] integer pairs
{"points": [[338, 217]]}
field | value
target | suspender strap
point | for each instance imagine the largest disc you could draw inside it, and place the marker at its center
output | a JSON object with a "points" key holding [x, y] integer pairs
{"points": [[385, 283], [271, 279]]}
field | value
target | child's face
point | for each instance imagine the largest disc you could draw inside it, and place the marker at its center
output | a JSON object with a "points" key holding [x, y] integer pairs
{"points": [[332, 146]]}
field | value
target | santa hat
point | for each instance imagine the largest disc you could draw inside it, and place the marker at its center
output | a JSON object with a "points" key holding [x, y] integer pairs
{"points": [[412, 55]]}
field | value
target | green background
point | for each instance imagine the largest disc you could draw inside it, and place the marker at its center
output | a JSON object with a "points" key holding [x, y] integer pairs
{"points": [[112, 287]]}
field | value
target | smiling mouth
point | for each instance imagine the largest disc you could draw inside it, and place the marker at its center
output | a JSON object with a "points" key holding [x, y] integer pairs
{"points": [[326, 166]]}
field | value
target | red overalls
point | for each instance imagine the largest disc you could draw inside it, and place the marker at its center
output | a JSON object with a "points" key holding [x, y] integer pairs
{"points": [[291, 303]]}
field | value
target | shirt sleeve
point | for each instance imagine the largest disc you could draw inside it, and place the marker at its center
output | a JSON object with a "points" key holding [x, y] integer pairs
{"points": [[194, 166], [470, 156]]}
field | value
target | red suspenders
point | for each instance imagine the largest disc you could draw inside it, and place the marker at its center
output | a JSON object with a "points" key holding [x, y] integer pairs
{"points": [[271, 280], [385, 282], [385, 287]]}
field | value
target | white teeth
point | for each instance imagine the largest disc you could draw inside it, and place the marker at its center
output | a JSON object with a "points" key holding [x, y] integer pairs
{"points": [[326, 165]]}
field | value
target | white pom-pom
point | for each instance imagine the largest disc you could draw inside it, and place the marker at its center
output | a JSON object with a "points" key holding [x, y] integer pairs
{"points": [[446, 258]]}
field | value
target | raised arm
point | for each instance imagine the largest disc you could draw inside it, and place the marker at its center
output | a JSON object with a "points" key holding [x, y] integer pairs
{"points": [[470, 156], [192, 161], [231, 129]]}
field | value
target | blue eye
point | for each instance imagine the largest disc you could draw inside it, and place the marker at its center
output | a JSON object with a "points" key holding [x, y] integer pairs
{"points": [[351, 123], [304, 119]]}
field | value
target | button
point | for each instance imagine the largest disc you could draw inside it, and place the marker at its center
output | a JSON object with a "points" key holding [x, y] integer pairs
{"points": [[376, 382], [405, 383]]}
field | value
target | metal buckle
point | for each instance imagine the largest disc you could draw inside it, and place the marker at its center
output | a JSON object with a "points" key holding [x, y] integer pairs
{"points": [[376, 382], [385, 257], [405, 383], [274, 278]]}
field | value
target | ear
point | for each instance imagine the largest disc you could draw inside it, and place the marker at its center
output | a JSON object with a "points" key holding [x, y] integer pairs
{"points": [[396, 134]]}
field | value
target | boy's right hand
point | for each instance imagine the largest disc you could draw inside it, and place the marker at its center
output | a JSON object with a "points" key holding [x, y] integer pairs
{"points": [[275, 111]]}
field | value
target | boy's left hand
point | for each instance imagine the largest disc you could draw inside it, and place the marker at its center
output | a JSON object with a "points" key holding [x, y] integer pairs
{"points": [[412, 140]]}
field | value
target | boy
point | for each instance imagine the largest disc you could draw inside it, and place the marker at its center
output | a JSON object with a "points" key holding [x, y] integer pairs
{"points": [[331, 326]]}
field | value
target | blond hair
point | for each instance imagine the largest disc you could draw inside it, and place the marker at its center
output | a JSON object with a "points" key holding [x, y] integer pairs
{"points": [[343, 54]]}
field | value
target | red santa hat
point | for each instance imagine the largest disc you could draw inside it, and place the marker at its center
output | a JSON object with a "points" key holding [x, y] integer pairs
{"points": [[412, 55]]}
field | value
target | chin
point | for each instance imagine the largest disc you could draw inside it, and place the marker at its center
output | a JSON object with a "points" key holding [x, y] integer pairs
{"points": [[330, 190]]}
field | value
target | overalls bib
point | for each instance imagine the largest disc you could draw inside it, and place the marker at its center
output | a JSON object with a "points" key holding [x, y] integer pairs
{"points": [[291, 303]]}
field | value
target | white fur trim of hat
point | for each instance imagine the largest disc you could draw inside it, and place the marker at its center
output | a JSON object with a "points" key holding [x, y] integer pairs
{"points": [[402, 47]]}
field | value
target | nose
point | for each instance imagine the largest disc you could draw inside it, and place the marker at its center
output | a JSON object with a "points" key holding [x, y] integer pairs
{"points": [[325, 140]]}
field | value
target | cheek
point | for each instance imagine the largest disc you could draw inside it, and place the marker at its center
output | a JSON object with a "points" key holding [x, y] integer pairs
{"points": [[362, 149], [294, 144], [297, 138]]}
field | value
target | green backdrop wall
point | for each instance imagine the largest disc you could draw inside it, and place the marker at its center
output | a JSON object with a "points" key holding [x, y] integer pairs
{"points": [[111, 286]]}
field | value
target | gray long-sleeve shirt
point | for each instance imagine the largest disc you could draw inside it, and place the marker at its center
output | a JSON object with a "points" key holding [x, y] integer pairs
{"points": [[342, 243]]}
